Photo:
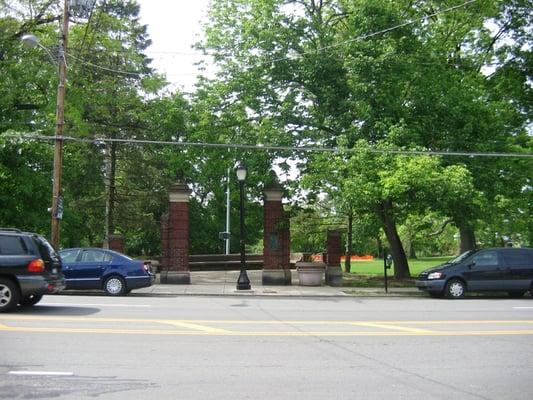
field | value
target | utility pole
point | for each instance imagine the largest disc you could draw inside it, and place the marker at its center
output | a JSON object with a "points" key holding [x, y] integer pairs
{"points": [[57, 199]]}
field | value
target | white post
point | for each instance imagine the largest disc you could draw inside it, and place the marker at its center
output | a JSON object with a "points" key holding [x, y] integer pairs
{"points": [[228, 204]]}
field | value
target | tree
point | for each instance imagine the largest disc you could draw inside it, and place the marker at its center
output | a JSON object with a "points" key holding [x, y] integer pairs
{"points": [[24, 177], [109, 80], [323, 73]]}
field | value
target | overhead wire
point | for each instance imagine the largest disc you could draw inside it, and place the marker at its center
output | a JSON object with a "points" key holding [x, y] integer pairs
{"points": [[274, 60], [304, 149], [104, 68], [291, 148], [87, 26]]}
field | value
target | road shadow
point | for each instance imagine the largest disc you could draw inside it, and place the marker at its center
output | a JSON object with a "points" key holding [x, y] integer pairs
{"points": [[82, 293], [55, 310], [96, 293], [484, 296]]}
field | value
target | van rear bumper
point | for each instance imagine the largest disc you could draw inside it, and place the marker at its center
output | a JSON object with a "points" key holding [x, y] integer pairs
{"points": [[37, 285]]}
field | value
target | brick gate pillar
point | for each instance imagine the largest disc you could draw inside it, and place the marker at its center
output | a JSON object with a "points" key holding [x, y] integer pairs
{"points": [[175, 236], [276, 238], [164, 261], [333, 259], [116, 242]]}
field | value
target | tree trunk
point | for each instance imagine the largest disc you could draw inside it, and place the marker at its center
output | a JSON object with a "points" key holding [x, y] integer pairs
{"points": [[401, 267], [379, 246], [467, 238], [349, 246], [412, 251], [110, 168]]}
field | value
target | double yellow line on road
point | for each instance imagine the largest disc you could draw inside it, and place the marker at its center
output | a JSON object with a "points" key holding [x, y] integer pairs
{"points": [[88, 325]]}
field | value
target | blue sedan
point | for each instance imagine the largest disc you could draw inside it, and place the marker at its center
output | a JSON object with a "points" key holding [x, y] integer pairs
{"points": [[108, 270]]}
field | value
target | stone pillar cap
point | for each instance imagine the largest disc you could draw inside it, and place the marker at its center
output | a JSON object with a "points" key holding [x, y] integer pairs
{"points": [[180, 186], [179, 192], [273, 190]]}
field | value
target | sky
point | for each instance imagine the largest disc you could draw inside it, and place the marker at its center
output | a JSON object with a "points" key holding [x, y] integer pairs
{"points": [[174, 26]]}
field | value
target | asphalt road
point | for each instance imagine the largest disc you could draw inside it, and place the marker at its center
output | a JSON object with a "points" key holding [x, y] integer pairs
{"points": [[140, 347]]}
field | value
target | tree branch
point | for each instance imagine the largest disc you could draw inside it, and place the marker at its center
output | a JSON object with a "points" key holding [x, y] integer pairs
{"points": [[437, 233]]}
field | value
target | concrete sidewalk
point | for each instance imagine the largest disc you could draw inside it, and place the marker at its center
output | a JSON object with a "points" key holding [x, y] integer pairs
{"points": [[223, 283]]}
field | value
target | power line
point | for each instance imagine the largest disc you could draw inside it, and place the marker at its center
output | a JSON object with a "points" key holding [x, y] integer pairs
{"points": [[409, 22], [304, 149], [361, 37], [368, 35], [137, 74]]}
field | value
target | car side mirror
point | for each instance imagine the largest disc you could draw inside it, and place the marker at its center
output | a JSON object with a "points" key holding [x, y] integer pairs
{"points": [[472, 264]]}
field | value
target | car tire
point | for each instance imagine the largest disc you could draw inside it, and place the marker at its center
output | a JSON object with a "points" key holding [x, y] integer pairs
{"points": [[115, 286], [31, 300], [455, 289], [516, 294], [9, 295]]}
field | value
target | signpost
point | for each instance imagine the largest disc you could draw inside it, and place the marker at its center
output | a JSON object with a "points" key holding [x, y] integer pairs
{"points": [[387, 263]]}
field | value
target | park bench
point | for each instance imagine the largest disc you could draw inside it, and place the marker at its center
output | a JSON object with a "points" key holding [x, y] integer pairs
{"points": [[223, 262]]}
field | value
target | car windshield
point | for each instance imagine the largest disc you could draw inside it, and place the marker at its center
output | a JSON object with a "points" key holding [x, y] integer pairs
{"points": [[461, 257]]}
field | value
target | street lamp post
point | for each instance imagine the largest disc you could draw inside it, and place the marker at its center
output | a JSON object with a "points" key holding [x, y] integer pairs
{"points": [[57, 200], [243, 283]]}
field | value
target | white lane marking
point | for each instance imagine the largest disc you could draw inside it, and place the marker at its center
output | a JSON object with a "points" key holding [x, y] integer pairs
{"points": [[94, 305], [523, 308], [41, 373]]}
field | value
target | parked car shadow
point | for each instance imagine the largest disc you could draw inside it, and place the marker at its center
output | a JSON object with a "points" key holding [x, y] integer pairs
{"points": [[62, 310], [68, 292], [489, 296]]}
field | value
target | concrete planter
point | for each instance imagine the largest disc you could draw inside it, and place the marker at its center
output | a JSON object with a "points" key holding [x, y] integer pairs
{"points": [[310, 273]]}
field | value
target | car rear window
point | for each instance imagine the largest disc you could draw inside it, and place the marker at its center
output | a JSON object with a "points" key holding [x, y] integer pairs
{"points": [[46, 250], [12, 246], [517, 258]]}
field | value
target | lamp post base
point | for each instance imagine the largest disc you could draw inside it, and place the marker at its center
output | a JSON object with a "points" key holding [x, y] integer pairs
{"points": [[243, 283]]}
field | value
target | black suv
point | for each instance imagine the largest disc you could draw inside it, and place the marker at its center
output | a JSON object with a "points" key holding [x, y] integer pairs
{"points": [[29, 268], [496, 269]]}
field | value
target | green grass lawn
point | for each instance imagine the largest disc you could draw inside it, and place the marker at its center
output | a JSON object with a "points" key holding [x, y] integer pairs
{"points": [[370, 273]]}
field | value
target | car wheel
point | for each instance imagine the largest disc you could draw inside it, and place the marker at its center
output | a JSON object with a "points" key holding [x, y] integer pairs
{"points": [[455, 289], [9, 295], [31, 300], [115, 286], [515, 294]]}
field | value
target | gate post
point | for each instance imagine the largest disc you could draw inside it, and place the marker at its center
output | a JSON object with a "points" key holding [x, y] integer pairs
{"points": [[116, 242], [333, 262], [276, 238], [175, 236]]}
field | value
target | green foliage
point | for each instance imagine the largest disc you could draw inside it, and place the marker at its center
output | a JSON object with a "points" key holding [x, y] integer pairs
{"points": [[309, 229], [375, 267], [25, 181], [311, 73]]}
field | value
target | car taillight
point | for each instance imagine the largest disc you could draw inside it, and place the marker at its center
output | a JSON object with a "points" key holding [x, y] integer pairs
{"points": [[147, 266], [36, 265]]}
